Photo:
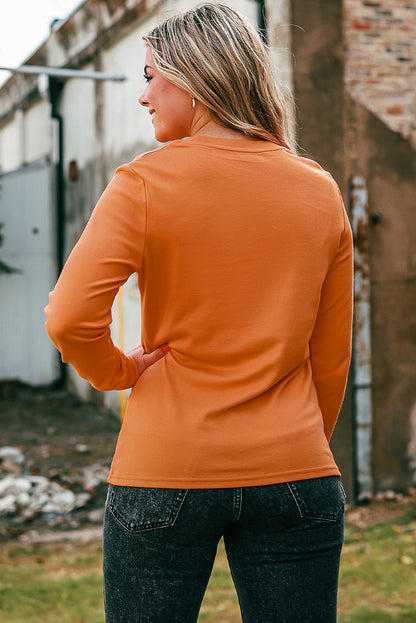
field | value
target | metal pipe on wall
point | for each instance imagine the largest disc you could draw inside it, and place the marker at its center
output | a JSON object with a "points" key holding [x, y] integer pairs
{"points": [[362, 364], [261, 19], [64, 72], [55, 88]]}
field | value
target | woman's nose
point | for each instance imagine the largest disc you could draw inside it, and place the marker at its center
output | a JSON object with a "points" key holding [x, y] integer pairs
{"points": [[142, 99]]}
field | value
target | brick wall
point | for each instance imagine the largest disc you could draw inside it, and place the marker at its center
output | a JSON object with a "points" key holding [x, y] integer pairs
{"points": [[380, 63]]}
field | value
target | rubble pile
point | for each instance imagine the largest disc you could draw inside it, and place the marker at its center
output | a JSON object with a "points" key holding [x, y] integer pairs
{"points": [[30, 495], [25, 496]]}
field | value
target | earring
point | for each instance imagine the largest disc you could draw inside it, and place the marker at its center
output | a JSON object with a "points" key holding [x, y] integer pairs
{"points": [[193, 102]]}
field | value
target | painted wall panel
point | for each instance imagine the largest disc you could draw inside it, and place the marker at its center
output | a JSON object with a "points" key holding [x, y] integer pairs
{"points": [[26, 353]]}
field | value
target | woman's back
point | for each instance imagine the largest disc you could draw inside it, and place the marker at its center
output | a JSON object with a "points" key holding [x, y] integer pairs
{"points": [[242, 251]]}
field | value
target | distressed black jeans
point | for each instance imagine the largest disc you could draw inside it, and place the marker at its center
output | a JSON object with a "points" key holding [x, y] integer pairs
{"points": [[283, 544]]}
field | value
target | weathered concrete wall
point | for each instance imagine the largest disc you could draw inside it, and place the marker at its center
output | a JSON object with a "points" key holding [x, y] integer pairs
{"points": [[318, 89], [37, 144], [388, 162], [346, 138], [318, 82], [380, 64], [26, 138]]}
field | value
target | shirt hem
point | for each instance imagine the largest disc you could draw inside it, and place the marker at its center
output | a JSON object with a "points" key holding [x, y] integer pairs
{"points": [[219, 483]]}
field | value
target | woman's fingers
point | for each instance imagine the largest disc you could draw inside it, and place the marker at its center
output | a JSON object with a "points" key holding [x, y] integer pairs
{"points": [[150, 358], [145, 360]]}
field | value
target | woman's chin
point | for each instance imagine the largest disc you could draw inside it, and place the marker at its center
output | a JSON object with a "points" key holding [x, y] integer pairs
{"points": [[164, 137]]}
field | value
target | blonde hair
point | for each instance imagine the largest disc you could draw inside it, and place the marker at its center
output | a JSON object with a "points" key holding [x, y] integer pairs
{"points": [[218, 57]]}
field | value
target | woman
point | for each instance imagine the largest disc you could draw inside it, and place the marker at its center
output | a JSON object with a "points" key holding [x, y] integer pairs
{"points": [[243, 254]]}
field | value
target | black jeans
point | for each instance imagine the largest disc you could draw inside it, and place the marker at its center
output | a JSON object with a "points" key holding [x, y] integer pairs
{"points": [[283, 544]]}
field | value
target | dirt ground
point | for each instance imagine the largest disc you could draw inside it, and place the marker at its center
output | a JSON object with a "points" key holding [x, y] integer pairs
{"points": [[62, 438]]}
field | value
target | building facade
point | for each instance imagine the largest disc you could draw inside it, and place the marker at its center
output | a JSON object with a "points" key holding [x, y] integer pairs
{"points": [[351, 67]]}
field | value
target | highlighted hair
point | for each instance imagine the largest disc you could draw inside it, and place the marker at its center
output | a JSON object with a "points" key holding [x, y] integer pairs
{"points": [[215, 54]]}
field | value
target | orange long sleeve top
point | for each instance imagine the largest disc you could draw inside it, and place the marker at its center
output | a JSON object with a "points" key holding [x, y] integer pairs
{"points": [[243, 254]]}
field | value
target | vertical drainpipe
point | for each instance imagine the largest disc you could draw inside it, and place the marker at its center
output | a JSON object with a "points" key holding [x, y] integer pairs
{"points": [[261, 20], [362, 378], [55, 88]]}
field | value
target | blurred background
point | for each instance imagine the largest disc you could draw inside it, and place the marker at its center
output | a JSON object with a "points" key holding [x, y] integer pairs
{"points": [[351, 67]]}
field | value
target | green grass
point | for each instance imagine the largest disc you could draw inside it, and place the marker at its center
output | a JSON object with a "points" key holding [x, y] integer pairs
{"points": [[63, 582], [49, 584], [378, 572], [220, 602]]}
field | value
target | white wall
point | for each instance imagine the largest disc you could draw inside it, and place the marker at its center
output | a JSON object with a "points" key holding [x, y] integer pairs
{"points": [[11, 144], [126, 123], [127, 128], [37, 132], [279, 40], [77, 107], [26, 138]]}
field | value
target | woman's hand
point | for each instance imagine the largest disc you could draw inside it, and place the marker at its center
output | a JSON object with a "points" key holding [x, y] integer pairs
{"points": [[145, 360]]}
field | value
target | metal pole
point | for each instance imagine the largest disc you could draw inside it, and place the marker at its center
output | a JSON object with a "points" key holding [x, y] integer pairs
{"points": [[261, 20], [362, 375], [55, 88], [62, 72]]}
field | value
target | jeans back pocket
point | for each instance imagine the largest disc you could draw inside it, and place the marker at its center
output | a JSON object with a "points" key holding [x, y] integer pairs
{"points": [[319, 498], [139, 509]]}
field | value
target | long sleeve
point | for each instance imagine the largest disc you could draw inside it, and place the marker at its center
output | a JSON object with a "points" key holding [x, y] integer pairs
{"points": [[108, 252], [330, 344]]}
